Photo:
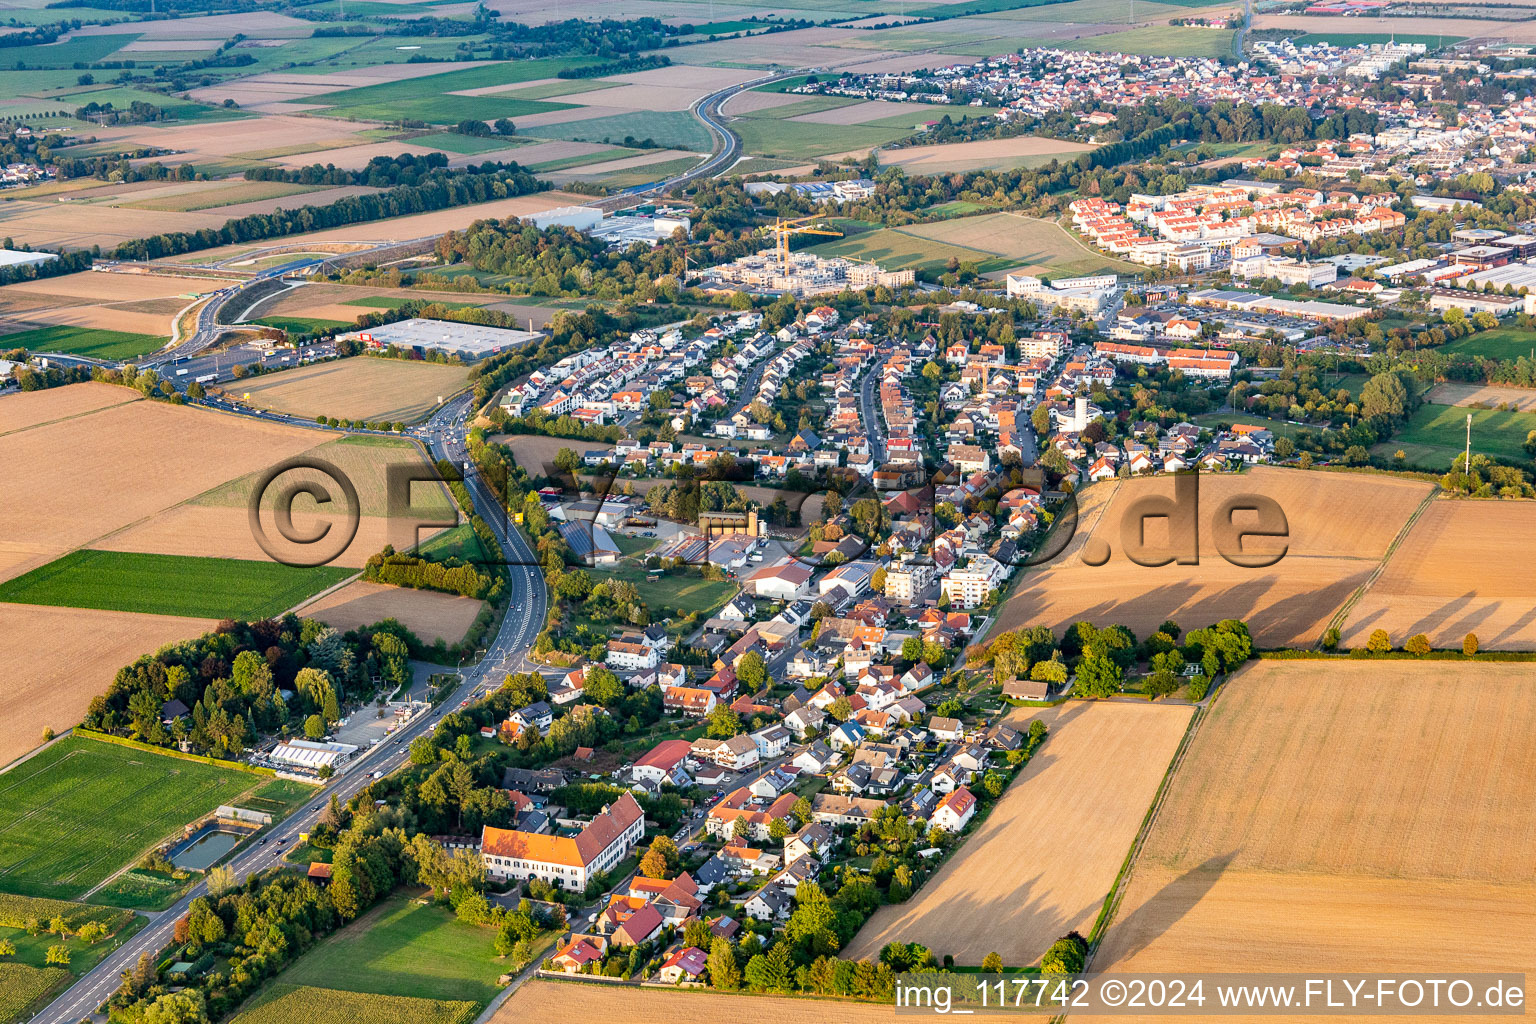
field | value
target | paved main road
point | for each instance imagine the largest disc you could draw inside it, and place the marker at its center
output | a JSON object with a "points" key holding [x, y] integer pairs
{"points": [[506, 653]]}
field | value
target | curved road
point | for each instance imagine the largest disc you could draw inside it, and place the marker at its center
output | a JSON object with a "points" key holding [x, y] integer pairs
{"points": [[444, 435]]}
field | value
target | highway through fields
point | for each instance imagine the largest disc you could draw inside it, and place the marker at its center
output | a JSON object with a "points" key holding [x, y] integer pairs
{"points": [[444, 435]]}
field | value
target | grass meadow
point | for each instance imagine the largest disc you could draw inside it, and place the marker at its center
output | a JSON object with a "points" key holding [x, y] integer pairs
{"points": [[81, 809], [405, 948]]}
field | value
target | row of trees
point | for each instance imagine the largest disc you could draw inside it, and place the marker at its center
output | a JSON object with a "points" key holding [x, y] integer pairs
{"points": [[435, 190]]}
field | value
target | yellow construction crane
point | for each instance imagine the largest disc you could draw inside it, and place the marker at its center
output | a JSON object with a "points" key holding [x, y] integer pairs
{"points": [[782, 229]]}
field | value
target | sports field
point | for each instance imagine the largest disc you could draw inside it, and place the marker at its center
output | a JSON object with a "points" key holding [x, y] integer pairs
{"points": [[1042, 862], [282, 1004], [157, 584], [1499, 343], [85, 341], [405, 948], [1357, 815], [1329, 553], [359, 388], [1438, 433], [1488, 396], [81, 809]]}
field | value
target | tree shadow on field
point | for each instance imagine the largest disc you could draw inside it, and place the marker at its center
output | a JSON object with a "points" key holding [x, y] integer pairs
{"points": [[1167, 906]]}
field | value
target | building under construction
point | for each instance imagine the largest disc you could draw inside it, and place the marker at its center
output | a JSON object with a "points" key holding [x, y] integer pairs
{"points": [[800, 273]]}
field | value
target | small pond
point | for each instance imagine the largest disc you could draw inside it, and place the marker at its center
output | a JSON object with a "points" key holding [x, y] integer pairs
{"points": [[198, 854]]}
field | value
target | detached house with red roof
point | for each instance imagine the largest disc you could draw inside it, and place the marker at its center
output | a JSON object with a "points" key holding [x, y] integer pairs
{"points": [[955, 811], [566, 861]]}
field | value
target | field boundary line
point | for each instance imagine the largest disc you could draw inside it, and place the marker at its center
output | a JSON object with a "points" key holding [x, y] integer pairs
{"points": [[1127, 869], [1342, 615], [324, 593], [76, 416]]}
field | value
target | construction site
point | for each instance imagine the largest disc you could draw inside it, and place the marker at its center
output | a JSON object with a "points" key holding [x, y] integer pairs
{"points": [[780, 271]]}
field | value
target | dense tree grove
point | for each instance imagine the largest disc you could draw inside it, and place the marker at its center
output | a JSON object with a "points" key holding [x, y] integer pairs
{"points": [[453, 576], [230, 680]]}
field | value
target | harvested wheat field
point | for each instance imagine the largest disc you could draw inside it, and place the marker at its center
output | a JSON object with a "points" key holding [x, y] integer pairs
{"points": [[1521, 399], [428, 614], [1345, 816], [24, 410], [1020, 151], [216, 523], [1042, 862], [362, 387], [871, 110], [554, 1000], [62, 226], [86, 474], [1469, 28], [1331, 551], [420, 225], [57, 659], [1465, 567]]}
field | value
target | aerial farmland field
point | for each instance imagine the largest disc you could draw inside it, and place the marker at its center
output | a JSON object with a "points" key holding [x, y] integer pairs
{"points": [[1329, 555], [75, 813], [359, 388], [1309, 823], [540, 999], [1463, 568], [1043, 861], [160, 584]]}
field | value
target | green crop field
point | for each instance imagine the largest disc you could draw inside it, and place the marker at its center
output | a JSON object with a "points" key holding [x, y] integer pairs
{"points": [[208, 588], [405, 948], [21, 985], [566, 163], [1438, 433], [283, 1004], [81, 49], [453, 142], [431, 98], [646, 173], [677, 129], [85, 341], [81, 809], [804, 140], [299, 324], [136, 889], [1499, 343]]}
